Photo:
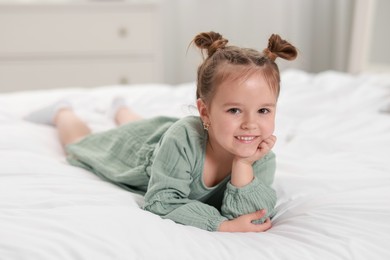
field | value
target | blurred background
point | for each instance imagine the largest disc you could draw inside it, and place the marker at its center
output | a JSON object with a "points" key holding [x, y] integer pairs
{"points": [[87, 43]]}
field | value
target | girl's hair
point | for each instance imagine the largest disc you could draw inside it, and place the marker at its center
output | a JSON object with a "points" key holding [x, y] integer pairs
{"points": [[230, 62]]}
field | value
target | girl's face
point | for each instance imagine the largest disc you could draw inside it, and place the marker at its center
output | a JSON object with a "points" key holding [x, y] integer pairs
{"points": [[241, 115]]}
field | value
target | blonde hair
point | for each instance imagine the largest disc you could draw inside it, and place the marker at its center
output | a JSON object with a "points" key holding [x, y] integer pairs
{"points": [[224, 62]]}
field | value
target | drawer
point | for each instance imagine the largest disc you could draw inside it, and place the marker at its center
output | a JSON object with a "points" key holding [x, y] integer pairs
{"points": [[76, 73], [58, 30]]}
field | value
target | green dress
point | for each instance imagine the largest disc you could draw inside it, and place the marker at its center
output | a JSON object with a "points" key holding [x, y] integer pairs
{"points": [[162, 158]]}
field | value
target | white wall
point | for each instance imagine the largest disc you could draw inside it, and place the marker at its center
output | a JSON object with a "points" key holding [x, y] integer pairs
{"points": [[320, 29]]}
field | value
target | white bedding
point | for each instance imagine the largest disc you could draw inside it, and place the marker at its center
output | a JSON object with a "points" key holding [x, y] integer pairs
{"points": [[332, 179]]}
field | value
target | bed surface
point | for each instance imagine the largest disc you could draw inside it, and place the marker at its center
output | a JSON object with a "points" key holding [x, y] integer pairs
{"points": [[332, 179]]}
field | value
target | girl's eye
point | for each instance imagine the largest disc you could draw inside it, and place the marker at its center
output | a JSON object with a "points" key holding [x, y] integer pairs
{"points": [[264, 111], [234, 110]]}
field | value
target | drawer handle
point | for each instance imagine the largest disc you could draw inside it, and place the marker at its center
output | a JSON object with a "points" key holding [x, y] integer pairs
{"points": [[124, 81], [123, 32]]}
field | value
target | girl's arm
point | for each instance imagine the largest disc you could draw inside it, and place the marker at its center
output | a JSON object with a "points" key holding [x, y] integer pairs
{"points": [[256, 195], [185, 211], [244, 223], [169, 191], [168, 196], [242, 171]]}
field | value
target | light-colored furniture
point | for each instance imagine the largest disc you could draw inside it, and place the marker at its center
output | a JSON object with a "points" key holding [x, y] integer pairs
{"points": [[79, 44]]}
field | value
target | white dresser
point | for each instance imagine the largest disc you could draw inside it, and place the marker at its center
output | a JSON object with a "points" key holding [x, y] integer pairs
{"points": [[84, 44]]}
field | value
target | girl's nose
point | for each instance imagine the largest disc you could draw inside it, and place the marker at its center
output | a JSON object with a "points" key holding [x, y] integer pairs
{"points": [[248, 124]]}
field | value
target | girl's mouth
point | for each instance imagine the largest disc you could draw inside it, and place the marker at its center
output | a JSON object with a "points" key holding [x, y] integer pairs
{"points": [[245, 139]]}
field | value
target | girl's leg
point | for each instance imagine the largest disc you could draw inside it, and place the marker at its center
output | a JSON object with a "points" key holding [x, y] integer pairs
{"points": [[125, 115], [69, 126]]}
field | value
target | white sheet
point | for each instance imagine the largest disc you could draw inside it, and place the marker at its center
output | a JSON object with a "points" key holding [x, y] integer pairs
{"points": [[332, 180]]}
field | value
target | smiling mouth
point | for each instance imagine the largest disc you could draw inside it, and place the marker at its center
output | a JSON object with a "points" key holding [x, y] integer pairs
{"points": [[246, 139]]}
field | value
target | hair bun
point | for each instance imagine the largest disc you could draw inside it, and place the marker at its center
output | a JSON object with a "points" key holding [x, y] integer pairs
{"points": [[277, 47], [211, 41]]}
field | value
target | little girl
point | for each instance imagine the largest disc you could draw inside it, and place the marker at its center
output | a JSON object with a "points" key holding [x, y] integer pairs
{"points": [[213, 171]]}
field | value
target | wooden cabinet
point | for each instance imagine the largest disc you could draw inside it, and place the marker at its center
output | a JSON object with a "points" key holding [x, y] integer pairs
{"points": [[79, 45]]}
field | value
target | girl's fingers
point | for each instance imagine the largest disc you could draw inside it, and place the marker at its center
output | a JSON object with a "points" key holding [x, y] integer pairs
{"points": [[263, 227], [268, 143], [271, 140], [258, 214]]}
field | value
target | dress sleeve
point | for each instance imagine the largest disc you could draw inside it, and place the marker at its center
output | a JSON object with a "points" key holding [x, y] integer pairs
{"points": [[256, 195], [169, 188]]}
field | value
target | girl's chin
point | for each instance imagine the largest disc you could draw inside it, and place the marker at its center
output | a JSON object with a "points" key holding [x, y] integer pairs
{"points": [[245, 154]]}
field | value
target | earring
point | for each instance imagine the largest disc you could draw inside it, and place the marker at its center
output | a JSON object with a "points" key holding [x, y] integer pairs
{"points": [[206, 126]]}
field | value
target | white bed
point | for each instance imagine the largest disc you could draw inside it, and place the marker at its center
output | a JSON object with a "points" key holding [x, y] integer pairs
{"points": [[332, 179]]}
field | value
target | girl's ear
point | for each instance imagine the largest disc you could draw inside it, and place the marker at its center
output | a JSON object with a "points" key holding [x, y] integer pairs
{"points": [[203, 111]]}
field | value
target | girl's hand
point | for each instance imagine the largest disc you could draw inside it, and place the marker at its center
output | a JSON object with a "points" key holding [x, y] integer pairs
{"points": [[244, 223], [262, 149], [242, 172]]}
